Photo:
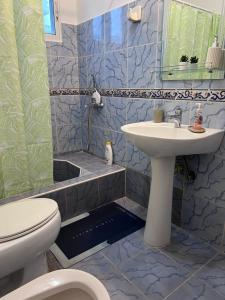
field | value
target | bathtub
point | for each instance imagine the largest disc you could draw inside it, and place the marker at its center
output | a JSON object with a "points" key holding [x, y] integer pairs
{"points": [[64, 170]]}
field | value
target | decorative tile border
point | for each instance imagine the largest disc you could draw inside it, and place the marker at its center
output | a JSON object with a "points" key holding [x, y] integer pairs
{"points": [[167, 94], [58, 92]]}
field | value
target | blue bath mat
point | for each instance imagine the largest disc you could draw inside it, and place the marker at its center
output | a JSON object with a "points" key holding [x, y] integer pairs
{"points": [[96, 230]]}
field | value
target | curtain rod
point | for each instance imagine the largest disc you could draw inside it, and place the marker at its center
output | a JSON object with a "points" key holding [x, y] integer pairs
{"points": [[194, 6]]}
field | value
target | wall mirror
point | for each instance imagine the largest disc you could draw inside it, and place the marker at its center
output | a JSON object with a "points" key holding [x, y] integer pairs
{"points": [[190, 28]]}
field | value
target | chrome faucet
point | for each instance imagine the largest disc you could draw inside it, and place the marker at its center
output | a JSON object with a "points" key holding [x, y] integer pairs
{"points": [[177, 117]]}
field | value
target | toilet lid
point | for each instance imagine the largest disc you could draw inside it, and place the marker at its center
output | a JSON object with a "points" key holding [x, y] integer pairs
{"points": [[24, 216]]}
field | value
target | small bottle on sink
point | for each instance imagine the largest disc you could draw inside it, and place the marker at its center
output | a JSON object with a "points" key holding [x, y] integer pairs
{"points": [[197, 126], [198, 117]]}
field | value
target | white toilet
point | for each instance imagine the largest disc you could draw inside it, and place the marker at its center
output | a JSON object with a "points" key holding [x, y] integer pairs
{"points": [[27, 229], [61, 285]]}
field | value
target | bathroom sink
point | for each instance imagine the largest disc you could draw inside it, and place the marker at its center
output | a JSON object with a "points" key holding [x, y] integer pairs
{"points": [[162, 139], [163, 142]]}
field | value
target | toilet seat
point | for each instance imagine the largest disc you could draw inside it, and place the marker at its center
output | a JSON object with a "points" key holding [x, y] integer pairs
{"points": [[24, 216]]}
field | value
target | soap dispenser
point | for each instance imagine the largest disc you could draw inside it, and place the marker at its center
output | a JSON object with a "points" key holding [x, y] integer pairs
{"points": [[197, 126], [198, 116]]}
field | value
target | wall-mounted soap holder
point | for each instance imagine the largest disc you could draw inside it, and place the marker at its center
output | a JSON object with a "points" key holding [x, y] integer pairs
{"points": [[96, 99], [134, 14]]}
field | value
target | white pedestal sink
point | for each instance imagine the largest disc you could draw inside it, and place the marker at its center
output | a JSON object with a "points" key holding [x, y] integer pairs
{"points": [[163, 142]]}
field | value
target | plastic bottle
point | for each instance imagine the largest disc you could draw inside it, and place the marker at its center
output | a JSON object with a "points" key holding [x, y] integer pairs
{"points": [[108, 153], [198, 117]]}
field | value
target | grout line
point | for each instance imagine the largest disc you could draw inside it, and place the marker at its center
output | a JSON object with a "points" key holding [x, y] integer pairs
{"points": [[171, 258], [123, 275], [191, 276]]}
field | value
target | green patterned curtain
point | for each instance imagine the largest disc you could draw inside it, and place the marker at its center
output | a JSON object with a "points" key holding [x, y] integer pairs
{"points": [[190, 32], [25, 118]]}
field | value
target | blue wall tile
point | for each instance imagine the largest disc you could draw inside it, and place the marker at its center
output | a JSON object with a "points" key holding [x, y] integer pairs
{"points": [[82, 39], [95, 35], [118, 146], [83, 72], [68, 47], [204, 219], [137, 187], [141, 63], [85, 105], [95, 66], [137, 160], [139, 110], [65, 72], [99, 115], [144, 32], [69, 138], [115, 113], [115, 69], [97, 141], [53, 120], [116, 29], [68, 110]]}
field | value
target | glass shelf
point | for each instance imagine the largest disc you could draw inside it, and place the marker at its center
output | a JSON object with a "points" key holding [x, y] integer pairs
{"points": [[189, 73]]}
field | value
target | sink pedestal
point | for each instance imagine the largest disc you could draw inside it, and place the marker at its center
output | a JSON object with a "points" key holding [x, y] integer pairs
{"points": [[158, 224]]}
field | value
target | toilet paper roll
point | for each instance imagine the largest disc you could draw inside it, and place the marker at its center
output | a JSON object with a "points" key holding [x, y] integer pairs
{"points": [[213, 60]]}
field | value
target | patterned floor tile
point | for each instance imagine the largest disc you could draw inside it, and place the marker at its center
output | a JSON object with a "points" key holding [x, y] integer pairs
{"points": [[118, 287], [193, 290], [131, 269], [188, 251], [214, 274], [155, 274], [125, 249]]}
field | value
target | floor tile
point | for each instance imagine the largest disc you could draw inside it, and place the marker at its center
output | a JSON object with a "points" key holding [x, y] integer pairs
{"points": [[154, 273], [126, 248], [131, 269], [195, 290], [188, 251], [118, 287], [214, 274]]}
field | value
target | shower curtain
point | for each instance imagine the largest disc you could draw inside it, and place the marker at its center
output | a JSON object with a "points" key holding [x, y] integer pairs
{"points": [[25, 118], [191, 32]]}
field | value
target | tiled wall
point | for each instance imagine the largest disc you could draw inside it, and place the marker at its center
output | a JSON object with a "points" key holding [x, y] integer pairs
{"points": [[119, 111], [63, 72], [66, 124], [89, 195], [119, 52], [63, 59], [122, 54]]}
